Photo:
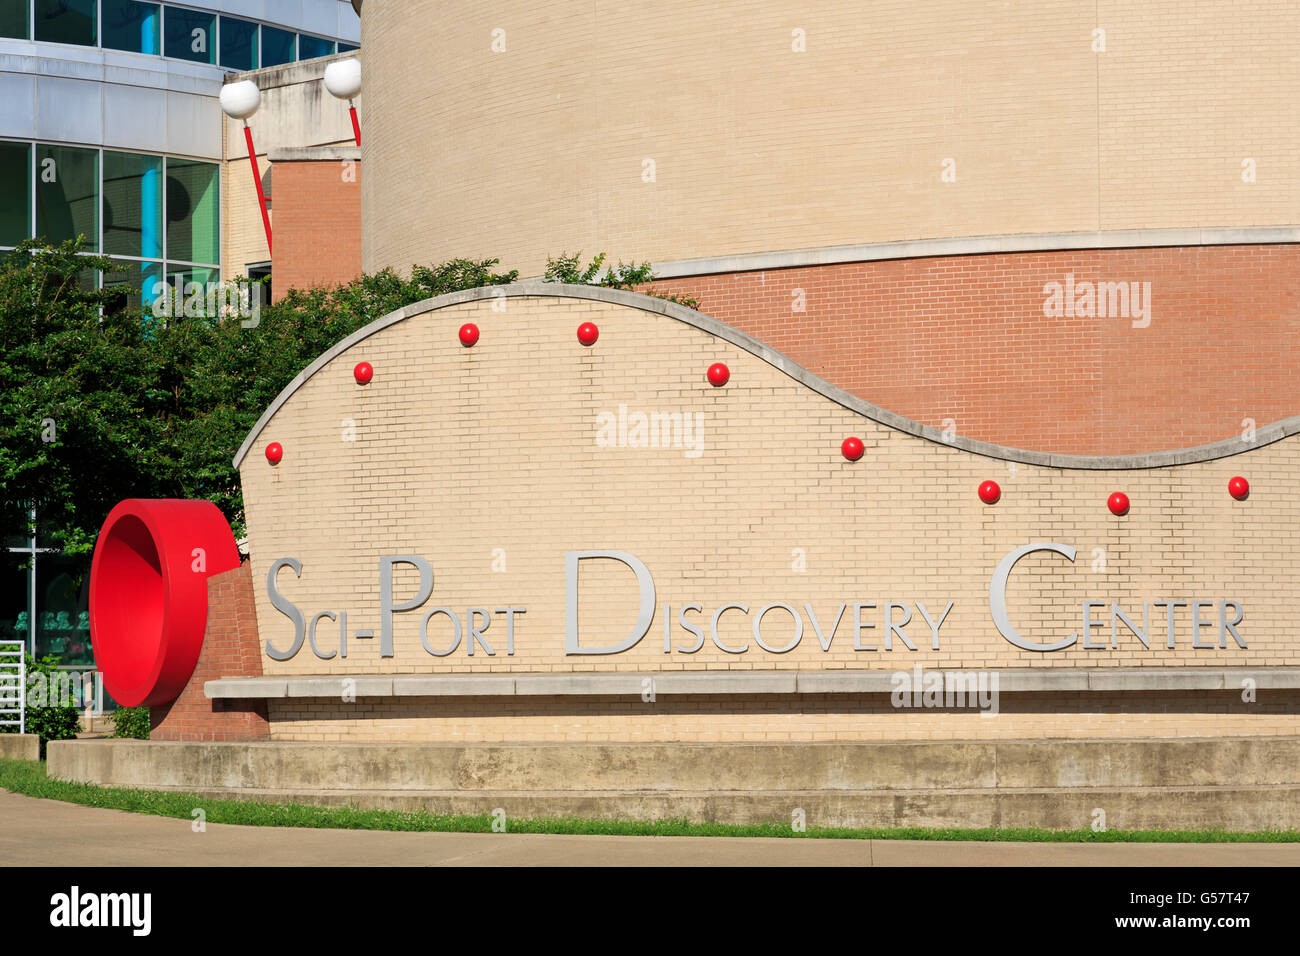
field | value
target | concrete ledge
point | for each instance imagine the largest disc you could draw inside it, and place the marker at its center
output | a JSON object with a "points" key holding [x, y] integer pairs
{"points": [[1010, 680], [314, 154], [1243, 783], [20, 746]]}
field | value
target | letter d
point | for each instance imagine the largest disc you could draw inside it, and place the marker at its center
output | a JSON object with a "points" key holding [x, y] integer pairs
{"points": [[644, 618]]}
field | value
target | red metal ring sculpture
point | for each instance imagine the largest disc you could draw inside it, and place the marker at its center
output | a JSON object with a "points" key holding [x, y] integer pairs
{"points": [[149, 594]]}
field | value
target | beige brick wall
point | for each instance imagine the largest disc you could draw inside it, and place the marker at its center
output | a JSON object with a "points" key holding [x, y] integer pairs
{"points": [[459, 452], [539, 149], [776, 719]]}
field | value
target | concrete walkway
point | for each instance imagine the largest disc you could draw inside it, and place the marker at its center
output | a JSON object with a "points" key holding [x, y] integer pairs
{"points": [[37, 832]]}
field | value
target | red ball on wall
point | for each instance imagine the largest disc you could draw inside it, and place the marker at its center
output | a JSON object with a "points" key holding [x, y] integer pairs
{"points": [[1118, 503], [852, 448], [990, 492], [1239, 488], [468, 334], [719, 375], [274, 452], [363, 373], [588, 333]]}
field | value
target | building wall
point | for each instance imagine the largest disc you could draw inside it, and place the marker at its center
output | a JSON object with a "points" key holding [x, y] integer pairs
{"points": [[318, 222], [505, 453], [963, 342], [296, 112], [774, 718], [539, 148]]}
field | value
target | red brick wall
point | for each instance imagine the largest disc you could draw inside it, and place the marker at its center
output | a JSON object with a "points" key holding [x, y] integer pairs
{"points": [[316, 229], [231, 648], [965, 338]]}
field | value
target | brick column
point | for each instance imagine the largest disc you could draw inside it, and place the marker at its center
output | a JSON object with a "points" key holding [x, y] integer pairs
{"points": [[230, 649]]}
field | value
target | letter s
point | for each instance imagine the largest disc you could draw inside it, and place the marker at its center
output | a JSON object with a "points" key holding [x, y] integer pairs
{"points": [[285, 607]]}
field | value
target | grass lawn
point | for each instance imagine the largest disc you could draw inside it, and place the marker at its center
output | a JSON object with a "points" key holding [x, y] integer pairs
{"points": [[28, 777]]}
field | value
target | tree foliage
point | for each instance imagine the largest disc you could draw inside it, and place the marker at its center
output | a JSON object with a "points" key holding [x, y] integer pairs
{"points": [[101, 399]]}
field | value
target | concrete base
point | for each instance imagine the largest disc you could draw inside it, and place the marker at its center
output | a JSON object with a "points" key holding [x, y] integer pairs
{"points": [[1237, 783], [20, 746]]}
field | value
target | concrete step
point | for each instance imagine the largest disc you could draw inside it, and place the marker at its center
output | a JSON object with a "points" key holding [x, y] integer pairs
{"points": [[1154, 808], [1239, 783]]}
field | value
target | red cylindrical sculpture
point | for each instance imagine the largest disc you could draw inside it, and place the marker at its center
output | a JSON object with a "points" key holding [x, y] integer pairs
{"points": [[989, 492], [149, 594], [1118, 503], [719, 375], [852, 448], [1239, 488], [468, 334], [363, 373], [588, 333]]}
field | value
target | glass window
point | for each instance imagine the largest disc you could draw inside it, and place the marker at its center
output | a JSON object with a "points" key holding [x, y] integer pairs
{"points": [[309, 47], [190, 35], [141, 285], [238, 44], [278, 46], [66, 21], [67, 194], [347, 47], [133, 214], [192, 211], [15, 202], [13, 23], [187, 300], [131, 26]]}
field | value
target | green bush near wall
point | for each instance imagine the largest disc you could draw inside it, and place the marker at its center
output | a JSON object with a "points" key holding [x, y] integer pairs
{"points": [[132, 722], [48, 721]]}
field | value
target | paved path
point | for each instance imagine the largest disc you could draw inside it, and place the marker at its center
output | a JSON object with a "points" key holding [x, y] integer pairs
{"points": [[37, 832]]}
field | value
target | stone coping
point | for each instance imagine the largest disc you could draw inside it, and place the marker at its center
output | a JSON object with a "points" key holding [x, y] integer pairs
{"points": [[1106, 680], [314, 154], [1264, 435], [977, 245]]}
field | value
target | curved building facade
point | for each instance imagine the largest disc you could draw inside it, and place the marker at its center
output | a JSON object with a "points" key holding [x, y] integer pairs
{"points": [[1054, 226]]}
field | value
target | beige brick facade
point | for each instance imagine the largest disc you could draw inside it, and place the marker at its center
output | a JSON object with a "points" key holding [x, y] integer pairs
{"points": [[539, 147], [489, 458], [773, 719]]}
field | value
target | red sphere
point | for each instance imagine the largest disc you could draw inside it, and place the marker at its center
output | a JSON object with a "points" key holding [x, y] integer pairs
{"points": [[468, 334], [274, 452], [588, 333], [719, 375], [852, 448], [1239, 488], [990, 492], [363, 373], [1118, 503]]}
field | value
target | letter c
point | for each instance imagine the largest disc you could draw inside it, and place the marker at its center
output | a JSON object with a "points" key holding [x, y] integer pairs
{"points": [[998, 596]]}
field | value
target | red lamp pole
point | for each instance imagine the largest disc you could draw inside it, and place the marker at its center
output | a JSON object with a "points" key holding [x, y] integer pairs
{"points": [[257, 180], [356, 126]]}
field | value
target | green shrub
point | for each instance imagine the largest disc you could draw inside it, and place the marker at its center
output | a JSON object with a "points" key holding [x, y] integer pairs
{"points": [[131, 722], [569, 269]]}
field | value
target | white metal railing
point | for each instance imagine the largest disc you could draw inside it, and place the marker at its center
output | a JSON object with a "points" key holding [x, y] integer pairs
{"points": [[13, 685]]}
